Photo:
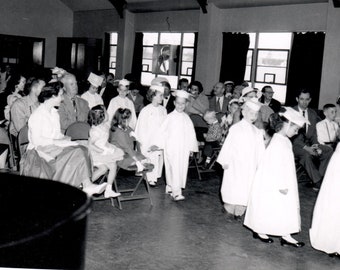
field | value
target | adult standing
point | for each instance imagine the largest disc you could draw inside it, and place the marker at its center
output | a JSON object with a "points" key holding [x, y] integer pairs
{"points": [[91, 95]]}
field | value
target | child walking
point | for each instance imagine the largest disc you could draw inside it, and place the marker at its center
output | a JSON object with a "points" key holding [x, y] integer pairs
{"points": [[104, 154], [178, 139], [273, 207]]}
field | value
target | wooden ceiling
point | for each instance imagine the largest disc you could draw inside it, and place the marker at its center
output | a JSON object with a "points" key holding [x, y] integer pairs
{"points": [[169, 5]]}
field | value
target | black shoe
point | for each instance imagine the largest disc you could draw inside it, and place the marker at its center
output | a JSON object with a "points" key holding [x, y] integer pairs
{"points": [[334, 255], [264, 240], [285, 243]]}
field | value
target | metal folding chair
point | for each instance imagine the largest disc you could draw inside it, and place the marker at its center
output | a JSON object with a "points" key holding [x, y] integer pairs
{"points": [[78, 131]]}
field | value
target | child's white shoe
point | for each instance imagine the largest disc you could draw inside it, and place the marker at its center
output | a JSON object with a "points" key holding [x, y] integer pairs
{"points": [[94, 189], [111, 194], [179, 198]]}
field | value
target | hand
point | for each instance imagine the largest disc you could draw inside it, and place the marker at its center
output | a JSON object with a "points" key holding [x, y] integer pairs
{"points": [[283, 191], [310, 150]]}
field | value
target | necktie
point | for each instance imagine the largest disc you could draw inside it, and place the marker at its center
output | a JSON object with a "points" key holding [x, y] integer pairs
{"points": [[218, 105], [75, 107]]}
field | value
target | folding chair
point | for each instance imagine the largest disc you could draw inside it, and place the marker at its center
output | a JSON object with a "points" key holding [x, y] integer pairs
{"points": [[78, 131], [131, 194], [22, 141], [4, 139]]}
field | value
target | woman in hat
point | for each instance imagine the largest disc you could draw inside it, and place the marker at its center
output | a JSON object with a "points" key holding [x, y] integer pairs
{"points": [[149, 121], [91, 95], [273, 207]]}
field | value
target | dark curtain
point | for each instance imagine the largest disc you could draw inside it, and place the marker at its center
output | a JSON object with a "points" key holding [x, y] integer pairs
{"points": [[234, 57], [305, 66], [195, 58], [105, 61], [137, 60]]}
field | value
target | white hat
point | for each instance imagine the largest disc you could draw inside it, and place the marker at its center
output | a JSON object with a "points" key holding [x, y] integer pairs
{"points": [[181, 93], [95, 80], [124, 82], [294, 116], [159, 80], [234, 100], [229, 82], [247, 90], [253, 104], [157, 88]]}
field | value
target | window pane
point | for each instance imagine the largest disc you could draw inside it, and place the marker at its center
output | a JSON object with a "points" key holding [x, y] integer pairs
{"points": [[150, 38], [271, 75], [112, 70], [147, 65], [249, 57], [279, 91], [189, 39], [147, 78], [272, 58], [147, 52], [275, 40], [113, 38], [186, 68], [188, 54], [113, 51], [247, 73], [170, 38], [252, 37]]}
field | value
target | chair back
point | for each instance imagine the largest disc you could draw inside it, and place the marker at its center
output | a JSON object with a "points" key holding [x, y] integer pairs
{"points": [[23, 140], [4, 139], [78, 131]]}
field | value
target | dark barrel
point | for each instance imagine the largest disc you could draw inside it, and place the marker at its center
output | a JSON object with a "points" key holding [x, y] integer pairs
{"points": [[42, 223]]}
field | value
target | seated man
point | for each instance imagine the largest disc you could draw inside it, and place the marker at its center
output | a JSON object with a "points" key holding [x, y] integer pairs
{"points": [[312, 156], [73, 108], [219, 103], [327, 129]]}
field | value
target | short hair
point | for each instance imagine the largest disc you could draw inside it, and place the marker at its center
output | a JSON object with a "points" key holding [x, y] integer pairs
{"points": [[121, 116], [50, 90], [198, 84], [13, 81], [265, 87], [303, 91], [275, 122], [328, 106], [96, 115], [30, 83], [208, 113], [183, 80], [67, 75]]}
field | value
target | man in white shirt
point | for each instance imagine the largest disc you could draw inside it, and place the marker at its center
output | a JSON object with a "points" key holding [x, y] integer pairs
{"points": [[327, 129], [91, 95]]}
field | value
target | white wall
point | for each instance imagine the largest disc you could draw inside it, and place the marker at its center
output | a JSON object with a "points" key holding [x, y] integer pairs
{"points": [[47, 19]]}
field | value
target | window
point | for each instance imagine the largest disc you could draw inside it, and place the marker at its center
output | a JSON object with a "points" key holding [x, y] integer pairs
{"points": [[113, 52], [185, 57], [267, 61]]}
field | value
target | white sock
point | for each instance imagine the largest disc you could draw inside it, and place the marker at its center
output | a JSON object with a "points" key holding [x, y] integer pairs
{"points": [[289, 239]]}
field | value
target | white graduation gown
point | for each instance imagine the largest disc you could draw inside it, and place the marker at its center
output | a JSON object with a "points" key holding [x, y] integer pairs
{"points": [[149, 122], [241, 151], [269, 211], [325, 232], [177, 137], [124, 103]]}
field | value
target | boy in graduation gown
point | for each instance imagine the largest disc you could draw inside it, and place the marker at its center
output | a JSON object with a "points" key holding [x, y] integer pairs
{"points": [[239, 157], [178, 139]]}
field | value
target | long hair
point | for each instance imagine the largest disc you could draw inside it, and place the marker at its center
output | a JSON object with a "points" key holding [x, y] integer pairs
{"points": [[121, 118], [275, 122]]}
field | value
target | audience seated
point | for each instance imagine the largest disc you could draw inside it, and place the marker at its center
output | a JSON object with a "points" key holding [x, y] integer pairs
{"points": [[91, 95], [267, 99], [198, 102], [328, 130], [311, 155], [136, 97], [23, 107], [50, 154], [73, 108], [183, 84], [219, 103]]}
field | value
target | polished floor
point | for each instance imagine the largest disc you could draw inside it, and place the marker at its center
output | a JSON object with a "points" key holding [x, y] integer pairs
{"points": [[190, 234]]}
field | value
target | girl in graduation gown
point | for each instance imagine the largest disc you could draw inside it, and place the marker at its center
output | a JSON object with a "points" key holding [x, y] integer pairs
{"points": [[273, 207], [149, 121], [325, 233], [178, 139]]}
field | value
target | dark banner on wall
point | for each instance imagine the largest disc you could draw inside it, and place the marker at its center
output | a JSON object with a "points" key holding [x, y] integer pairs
{"points": [[165, 59]]}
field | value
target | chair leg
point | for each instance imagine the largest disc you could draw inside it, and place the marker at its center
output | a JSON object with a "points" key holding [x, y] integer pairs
{"points": [[197, 168], [117, 198], [147, 187]]}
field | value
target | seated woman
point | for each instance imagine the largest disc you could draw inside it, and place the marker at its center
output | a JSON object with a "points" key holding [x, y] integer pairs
{"points": [[124, 137], [104, 155], [198, 101], [50, 154]]}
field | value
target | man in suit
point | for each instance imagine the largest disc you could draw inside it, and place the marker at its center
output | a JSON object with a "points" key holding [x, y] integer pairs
{"points": [[168, 98], [267, 98], [73, 108], [219, 103], [311, 155], [136, 97]]}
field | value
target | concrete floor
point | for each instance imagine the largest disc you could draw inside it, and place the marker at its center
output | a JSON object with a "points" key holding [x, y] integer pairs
{"points": [[191, 234]]}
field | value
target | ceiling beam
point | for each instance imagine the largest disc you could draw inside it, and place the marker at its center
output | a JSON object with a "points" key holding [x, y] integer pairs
{"points": [[203, 4], [119, 5]]}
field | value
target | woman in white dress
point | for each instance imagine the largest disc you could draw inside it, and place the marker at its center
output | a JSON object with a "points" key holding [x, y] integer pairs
{"points": [[149, 122], [273, 207], [324, 232]]}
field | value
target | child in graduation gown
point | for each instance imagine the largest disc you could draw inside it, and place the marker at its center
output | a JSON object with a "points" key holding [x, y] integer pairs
{"points": [[178, 139], [324, 232], [239, 157], [273, 207], [149, 121]]}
